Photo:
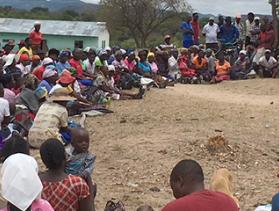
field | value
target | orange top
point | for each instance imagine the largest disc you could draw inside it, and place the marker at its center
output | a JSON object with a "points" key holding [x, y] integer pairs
{"points": [[222, 69], [199, 65], [36, 37]]}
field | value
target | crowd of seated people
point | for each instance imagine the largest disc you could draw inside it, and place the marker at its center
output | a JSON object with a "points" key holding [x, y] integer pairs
{"points": [[40, 90]]}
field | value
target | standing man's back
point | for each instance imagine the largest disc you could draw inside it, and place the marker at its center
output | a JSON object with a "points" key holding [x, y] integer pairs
{"points": [[187, 183]]}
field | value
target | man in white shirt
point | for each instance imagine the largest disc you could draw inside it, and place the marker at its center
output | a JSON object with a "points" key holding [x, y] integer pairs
{"points": [[268, 65], [210, 31]]}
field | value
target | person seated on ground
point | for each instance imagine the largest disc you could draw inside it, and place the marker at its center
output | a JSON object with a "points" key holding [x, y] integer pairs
{"points": [[21, 185], [145, 208], [210, 62], [229, 34], [4, 112], [63, 62], [110, 54], [268, 65], [183, 64], [89, 62], [173, 65], [223, 69], [200, 66], [250, 53], [222, 181], [167, 45], [130, 62], [105, 88], [9, 84], [36, 61], [53, 53], [241, 67], [80, 162], [102, 59], [24, 64], [10, 68], [143, 67], [162, 59], [82, 77], [265, 41], [50, 77], [26, 49], [187, 183], [13, 145], [72, 191], [120, 68], [152, 62], [51, 120], [38, 72], [193, 52]]}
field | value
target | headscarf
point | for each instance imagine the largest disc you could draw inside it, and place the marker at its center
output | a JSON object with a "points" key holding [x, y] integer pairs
{"points": [[21, 184], [49, 71]]}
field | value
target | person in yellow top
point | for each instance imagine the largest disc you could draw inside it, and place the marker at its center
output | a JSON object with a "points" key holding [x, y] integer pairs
{"points": [[26, 49]]}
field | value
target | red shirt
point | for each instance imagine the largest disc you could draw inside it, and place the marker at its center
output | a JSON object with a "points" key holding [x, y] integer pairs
{"points": [[38, 72], [196, 29], [36, 37], [77, 65], [266, 39], [203, 201]]}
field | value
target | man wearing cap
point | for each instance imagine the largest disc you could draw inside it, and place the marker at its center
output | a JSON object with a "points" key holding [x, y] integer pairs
{"points": [[268, 65], [36, 37], [8, 47], [51, 119], [188, 32], [167, 45], [241, 67], [210, 31]]}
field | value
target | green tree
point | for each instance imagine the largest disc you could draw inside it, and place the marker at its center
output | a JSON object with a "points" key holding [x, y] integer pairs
{"points": [[140, 18]]}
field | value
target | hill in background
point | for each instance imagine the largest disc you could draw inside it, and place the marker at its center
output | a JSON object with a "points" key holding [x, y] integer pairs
{"points": [[52, 5]]}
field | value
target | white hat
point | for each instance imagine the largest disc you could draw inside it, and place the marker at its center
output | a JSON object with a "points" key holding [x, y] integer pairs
{"points": [[243, 52], [267, 51], [37, 23], [47, 61], [257, 18], [108, 49], [9, 59], [123, 51], [21, 184]]}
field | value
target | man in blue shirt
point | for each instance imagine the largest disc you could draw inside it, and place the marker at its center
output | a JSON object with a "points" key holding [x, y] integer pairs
{"points": [[228, 32], [188, 32]]}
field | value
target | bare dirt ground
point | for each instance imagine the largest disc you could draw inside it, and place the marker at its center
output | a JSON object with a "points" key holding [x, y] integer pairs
{"points": [[140, 143]]}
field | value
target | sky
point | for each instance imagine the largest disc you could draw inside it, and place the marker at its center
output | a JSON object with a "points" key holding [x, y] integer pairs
{"points": [[226, 7]]}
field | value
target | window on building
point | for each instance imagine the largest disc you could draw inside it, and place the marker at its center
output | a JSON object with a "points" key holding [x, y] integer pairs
{"points": [[78, 44], [103, 44]]}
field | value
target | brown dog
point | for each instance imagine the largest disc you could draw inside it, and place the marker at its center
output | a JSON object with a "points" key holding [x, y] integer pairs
{"points": [[221, 181]]}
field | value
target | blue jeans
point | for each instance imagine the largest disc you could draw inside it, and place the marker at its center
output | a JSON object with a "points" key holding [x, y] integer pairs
{"points": [[275, 202], [86, 82]]}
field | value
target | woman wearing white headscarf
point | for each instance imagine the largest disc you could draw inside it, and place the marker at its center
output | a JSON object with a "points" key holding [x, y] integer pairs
{"points": [[21, 185]]}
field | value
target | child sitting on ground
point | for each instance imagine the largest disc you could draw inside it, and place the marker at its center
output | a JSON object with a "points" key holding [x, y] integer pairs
{"points": [[187, 74], [80, 161]]}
